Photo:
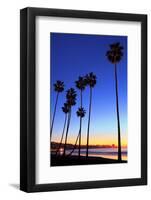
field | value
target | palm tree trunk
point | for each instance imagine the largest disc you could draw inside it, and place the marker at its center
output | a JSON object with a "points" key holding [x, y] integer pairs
{"points": [[68, 124], [80, 127], [80, 136], [81, 98], [53, 118], [65, 121], [90, 104], [74, 145], [118, 117]]}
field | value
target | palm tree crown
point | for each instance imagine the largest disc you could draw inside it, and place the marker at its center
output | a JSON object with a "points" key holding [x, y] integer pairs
{"points": [[59, 86], [66, 108], [71, 97], [90, 79], [115, 53], [81, 112], [81, 83]]}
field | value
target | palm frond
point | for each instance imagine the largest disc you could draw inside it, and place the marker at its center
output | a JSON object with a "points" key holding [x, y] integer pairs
{"points": [[115, 53], [59, 86]]}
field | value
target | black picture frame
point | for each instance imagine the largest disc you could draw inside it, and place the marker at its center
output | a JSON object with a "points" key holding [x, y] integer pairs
{"points": [[28, 98]]}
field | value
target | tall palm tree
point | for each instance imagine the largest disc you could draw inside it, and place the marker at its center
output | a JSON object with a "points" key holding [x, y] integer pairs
{"points": [[80, 84], [80, 113], [114, 55], [58, 87], [71, 101], [65, 109], [91, 81]]}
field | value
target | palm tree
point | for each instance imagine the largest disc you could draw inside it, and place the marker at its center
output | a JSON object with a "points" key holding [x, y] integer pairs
{"points": [[65, 109], [71, 101], [114, 55], [80, 84], [91, 81], [80, 113], [58, 87]]}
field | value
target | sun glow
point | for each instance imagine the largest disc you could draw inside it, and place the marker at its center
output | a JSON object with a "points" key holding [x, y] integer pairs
{"points": [[98, 140]]}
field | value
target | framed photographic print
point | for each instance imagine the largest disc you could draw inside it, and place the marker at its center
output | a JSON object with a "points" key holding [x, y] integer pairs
{"points": [[83, 99]]}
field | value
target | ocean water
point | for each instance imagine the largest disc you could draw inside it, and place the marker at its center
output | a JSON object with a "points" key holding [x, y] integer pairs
{"points": [[111, 153]]}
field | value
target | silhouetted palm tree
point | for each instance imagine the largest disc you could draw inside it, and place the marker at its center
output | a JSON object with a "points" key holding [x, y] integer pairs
{"points": [[71, 101], [65, 109], [114, 55], [58, 87], [80, 84], [80, 113], [91, 81]]}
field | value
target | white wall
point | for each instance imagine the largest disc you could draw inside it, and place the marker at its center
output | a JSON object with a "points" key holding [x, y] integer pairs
{"points": [[9, 98]]}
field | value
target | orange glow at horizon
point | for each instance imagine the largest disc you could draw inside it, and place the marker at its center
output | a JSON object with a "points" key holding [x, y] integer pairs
{"points": [[98, 140]]}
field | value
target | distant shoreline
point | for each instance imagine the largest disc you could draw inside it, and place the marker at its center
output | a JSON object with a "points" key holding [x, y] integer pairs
{"points": [[55, 145], [75, 160]]}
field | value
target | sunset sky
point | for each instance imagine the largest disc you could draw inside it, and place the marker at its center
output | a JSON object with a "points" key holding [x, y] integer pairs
{"points": [[74, 55]]}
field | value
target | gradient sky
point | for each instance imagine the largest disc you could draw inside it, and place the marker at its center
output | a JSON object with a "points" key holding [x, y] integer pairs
{"points": [[74, 55]]}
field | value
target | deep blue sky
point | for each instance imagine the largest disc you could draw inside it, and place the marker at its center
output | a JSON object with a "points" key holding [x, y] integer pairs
{"points": [[74, 55]]}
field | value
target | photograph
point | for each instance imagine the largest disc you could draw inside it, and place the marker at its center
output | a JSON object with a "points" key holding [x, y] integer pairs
{"points": [[88, 99]]}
